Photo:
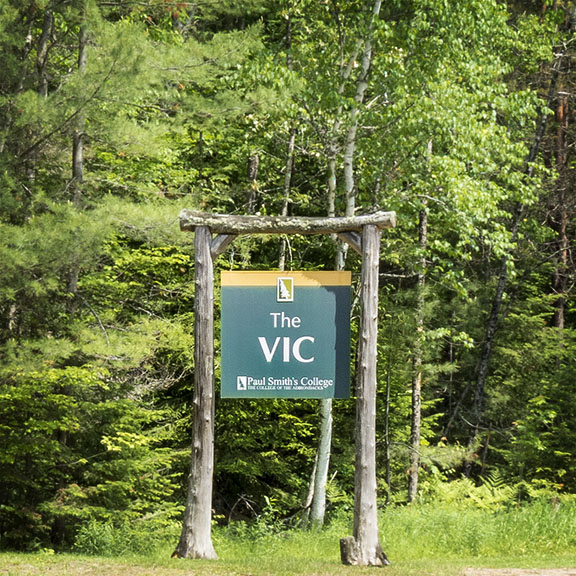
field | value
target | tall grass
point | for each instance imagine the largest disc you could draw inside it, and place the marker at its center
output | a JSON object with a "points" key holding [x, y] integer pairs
{"points": [[539, 529], [424, 534], [138, 538], [413, 536]]}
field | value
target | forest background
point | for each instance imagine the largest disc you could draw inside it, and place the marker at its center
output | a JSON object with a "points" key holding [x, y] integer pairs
{"points": [[116, 115]]}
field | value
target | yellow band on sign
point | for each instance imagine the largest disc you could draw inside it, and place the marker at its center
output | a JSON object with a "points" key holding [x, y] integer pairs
{"points": [[258, 278]]}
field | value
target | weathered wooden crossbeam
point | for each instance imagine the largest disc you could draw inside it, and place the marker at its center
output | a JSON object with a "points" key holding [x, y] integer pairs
{"points": [[232, 224]]}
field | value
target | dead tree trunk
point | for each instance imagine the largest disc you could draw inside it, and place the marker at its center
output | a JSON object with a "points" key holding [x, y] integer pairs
{"points": [[363, 548], [229, 224], [560, 213], [196, 537]]}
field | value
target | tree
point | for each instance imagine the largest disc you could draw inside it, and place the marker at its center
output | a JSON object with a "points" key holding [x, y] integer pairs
{"points": [[69, 320], [416, 422]]}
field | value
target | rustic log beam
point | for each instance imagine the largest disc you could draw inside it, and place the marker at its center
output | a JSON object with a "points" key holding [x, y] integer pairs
{"points": [[232, 224]]}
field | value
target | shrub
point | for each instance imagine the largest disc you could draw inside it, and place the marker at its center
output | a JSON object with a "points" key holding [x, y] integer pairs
{"points": [[141, 537]]}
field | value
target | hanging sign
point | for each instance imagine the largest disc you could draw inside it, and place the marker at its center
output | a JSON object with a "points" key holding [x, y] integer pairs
{"points": [[285, 334]]}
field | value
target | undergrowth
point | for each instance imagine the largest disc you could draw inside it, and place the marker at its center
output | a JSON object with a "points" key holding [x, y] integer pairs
{"points": [[456, 520]]}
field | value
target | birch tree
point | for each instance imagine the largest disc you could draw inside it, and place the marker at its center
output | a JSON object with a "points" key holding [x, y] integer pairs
{"points": [[340, 146]]}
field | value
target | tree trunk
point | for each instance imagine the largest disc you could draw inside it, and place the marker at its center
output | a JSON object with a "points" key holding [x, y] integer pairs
{"points": [[27, 49], [364, 548], [491, 328], [196, 538], [78, 136], [318, 506], [59, 525], [319, 502], [307, 504], [43, 49], [252, 194], [352, 132], [286, 194], [351, 135], [560, 213], [417, 362], [322, 462], [42, 52], [77, 169], [290, 152], [333, 148], [387, 426], [230, 224]]}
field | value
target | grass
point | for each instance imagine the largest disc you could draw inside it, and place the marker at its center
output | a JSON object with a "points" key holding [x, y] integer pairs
{"points": [[435, 540], [283, 562]]}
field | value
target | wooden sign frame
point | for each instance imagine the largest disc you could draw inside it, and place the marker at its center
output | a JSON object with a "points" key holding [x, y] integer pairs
{"points": [[362, 233]]}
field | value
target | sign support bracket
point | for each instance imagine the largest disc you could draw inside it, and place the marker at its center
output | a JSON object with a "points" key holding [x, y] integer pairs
{"points": [[353, 239], [220, 244]]}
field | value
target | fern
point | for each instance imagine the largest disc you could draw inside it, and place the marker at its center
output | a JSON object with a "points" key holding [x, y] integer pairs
{"points": [[493, 494]]}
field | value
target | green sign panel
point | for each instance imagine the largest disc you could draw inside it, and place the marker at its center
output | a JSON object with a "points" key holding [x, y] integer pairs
{"points": [[285, 334]]}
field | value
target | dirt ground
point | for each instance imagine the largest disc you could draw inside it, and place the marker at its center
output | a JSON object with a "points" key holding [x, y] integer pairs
{"points": [[519, 572], [70, 566]]}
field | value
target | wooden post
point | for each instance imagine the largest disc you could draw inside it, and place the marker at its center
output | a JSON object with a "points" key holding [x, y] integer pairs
{"points": [[363, 548], [196, 537]]}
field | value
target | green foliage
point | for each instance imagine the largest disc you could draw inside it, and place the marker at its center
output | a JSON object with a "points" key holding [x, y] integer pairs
{"points": [[492, 494], [427, 531], [74, 452], [96, 293], [263, 450]]}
